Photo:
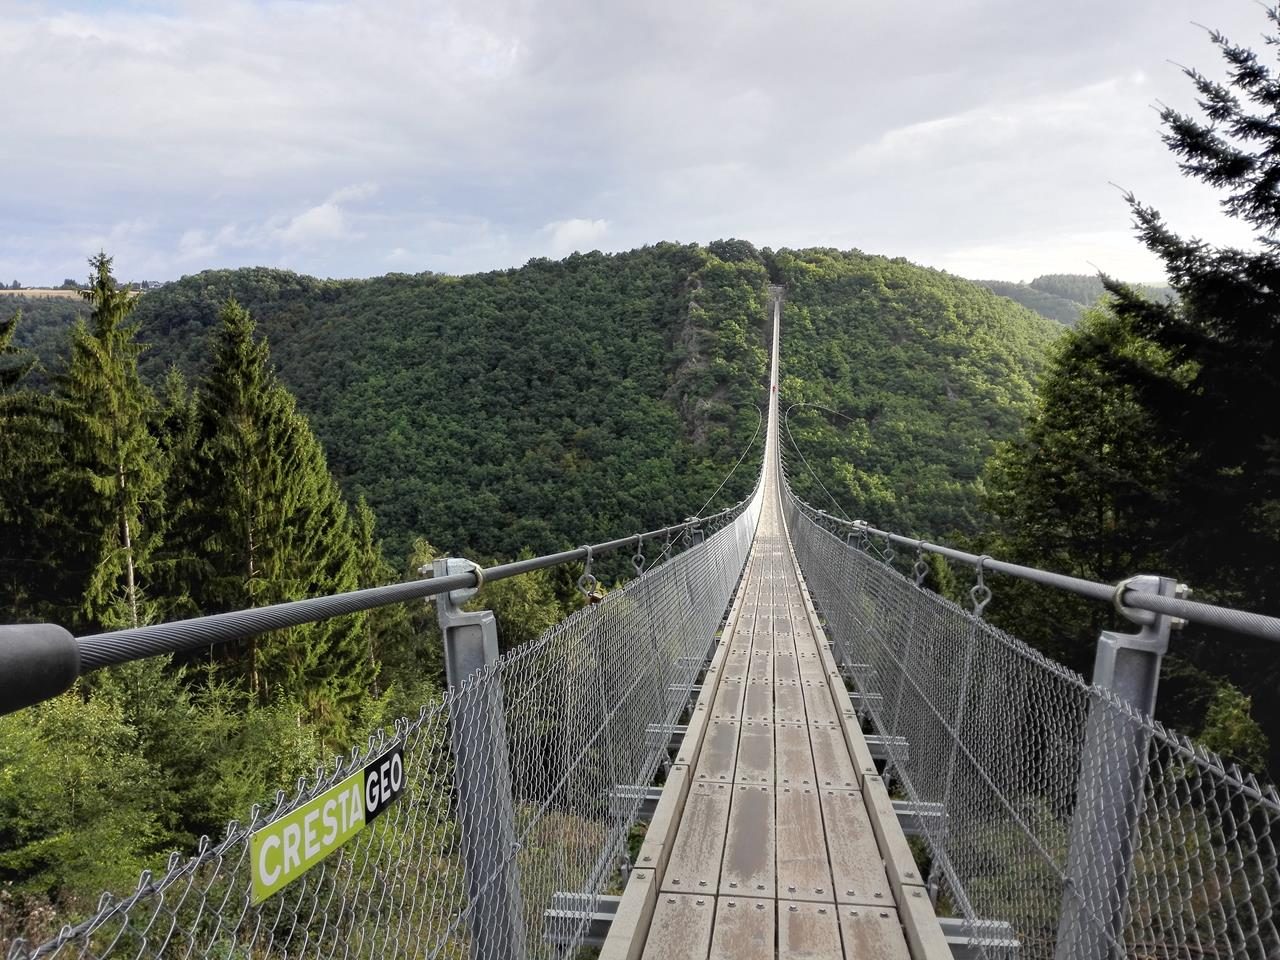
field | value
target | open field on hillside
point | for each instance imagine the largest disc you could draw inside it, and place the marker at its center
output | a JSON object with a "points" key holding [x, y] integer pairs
{"points": [[42, 292]]}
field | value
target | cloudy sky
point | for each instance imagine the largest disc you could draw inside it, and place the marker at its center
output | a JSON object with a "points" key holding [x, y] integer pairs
{"points": [[357, 138]]}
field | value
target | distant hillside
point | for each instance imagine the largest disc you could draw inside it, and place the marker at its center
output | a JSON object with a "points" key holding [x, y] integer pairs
{"points": [[563, 401], [923, 371], [1061, 296]]}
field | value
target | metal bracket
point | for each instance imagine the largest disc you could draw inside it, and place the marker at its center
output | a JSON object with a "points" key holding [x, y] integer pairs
{"points": [[1128, 664], [470, 637]]}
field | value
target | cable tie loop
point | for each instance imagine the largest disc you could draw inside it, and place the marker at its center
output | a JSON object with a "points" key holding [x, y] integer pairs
{"points": [[888, 548], [981, 593], [587, 583], [637, 559], [921, 568]]}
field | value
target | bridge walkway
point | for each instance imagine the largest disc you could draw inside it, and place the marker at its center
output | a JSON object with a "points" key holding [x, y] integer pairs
{"points": [[774, 836]]}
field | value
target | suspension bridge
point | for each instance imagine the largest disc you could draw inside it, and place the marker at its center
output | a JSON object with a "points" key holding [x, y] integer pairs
{"points": [[770, 743]]}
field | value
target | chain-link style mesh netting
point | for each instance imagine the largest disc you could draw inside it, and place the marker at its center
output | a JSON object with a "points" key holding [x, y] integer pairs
{"points": [[561, 731], [1092, 830]]}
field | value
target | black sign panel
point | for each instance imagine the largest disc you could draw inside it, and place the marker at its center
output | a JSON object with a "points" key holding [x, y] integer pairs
{"points": [[383, 782]]}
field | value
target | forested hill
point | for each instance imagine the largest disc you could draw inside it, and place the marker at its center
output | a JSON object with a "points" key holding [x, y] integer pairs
{"points": [[910, 376], [1063, 296], [574, 400]]}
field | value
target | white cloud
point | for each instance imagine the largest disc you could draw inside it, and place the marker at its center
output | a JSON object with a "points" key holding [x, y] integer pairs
{"points": [[320, 134], [566, 236]]}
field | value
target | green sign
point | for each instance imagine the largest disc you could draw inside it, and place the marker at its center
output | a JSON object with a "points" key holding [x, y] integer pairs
{"points": [[286, 849]]}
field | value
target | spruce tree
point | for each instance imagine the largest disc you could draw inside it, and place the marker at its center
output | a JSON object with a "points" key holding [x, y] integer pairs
{"points": [[112, 481], [268, 524], [1225, 328], [28, 434]]}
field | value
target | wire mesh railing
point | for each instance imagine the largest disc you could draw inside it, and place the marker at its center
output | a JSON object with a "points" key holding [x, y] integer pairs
{"points": [[368, 859], [1089, 828]]}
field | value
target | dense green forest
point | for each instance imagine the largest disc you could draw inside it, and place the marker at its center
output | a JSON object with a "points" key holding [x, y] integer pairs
{"points": [[1064, 297], [913, 376], [230, 439]]}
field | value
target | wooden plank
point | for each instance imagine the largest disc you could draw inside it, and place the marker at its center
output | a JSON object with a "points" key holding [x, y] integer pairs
{"points": [[728, 702], [737, 662], [873, 934], [794, 755], [863, 764], [661, 835], [832, 764], [920, 923], [812, 666], [818, 703], [758, 703], [808, 931], [631, 923], [898, 861], [743, 930], [788, 702], [856, 867], [719, 752], [694, 733], [755, 753], [681, 927], [803, 870], [786, 668], [761, 669], [748, 867], [694, 863]]}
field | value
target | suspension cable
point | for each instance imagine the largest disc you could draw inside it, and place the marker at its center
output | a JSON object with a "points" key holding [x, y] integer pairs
{"points": [[750, 443], [786, 424]]}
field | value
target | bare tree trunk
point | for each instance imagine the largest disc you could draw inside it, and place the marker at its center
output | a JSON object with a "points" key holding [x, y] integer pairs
{"points": [[131, 587]]}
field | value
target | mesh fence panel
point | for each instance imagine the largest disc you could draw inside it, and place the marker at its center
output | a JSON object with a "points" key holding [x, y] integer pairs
{"points": [[566, 728], [1090, 829]]}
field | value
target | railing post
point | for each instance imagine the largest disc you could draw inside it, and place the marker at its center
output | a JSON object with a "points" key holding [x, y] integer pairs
{"points": [[1112, 778], [486, 814]]}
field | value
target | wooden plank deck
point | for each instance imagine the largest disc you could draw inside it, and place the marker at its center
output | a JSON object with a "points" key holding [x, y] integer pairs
{"points": [[774, 836], [778, 849]]}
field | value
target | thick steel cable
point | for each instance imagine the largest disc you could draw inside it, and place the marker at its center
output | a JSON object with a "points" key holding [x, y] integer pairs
{"points": [[1234, 621], [122, 646]]}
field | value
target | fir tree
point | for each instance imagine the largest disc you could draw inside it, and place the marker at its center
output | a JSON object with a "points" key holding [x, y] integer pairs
{"points": [[269, 525], [113, 476], [27, 461]]}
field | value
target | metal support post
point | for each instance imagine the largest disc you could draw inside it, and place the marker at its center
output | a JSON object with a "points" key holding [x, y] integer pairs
{"points": [[482, 775], [1112, 778], [696, 535]]}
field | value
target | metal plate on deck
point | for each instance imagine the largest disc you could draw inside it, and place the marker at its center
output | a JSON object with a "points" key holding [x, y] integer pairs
{"points": [[743, 930], [719, 752], [794, 755], [681, 927], [694, 864], [803, 870], [856, 868], [755, 753], [808, 931], [872, 934], [832, 765], [749, 847]]}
